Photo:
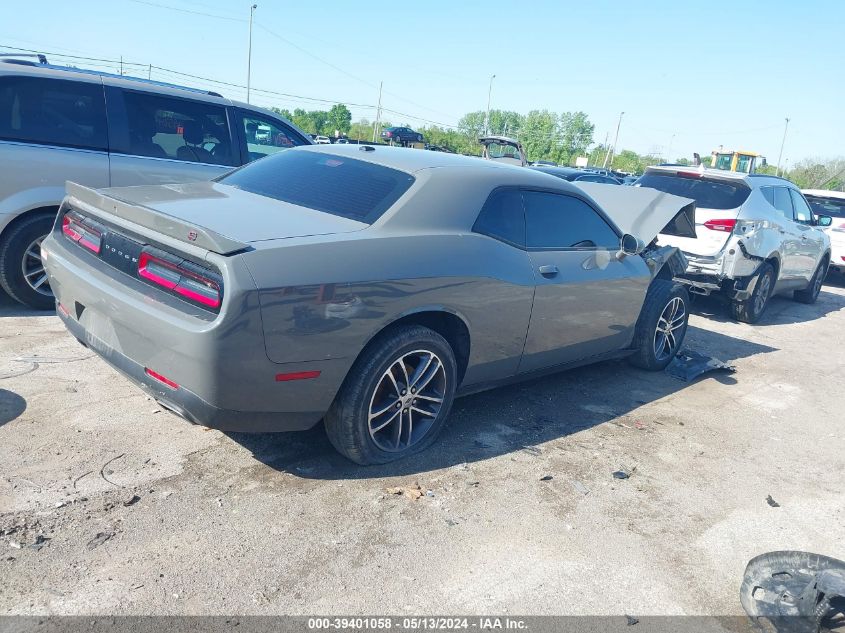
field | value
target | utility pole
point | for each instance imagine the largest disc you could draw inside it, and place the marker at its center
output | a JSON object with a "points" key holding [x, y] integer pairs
{"points": [[150, 72], [121, 65], [612, 150], [487, 116], [249, 53], [378, 113], [669, 151], [783, 141]]}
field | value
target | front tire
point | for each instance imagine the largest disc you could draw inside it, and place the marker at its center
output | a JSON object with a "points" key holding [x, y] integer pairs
{"points": [[662, 325], [22, 272], [750, 310], [395, 398], [811, 292]]}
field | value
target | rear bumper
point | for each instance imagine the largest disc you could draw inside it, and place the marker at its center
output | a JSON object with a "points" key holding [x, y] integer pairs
{"points": [[226, 381], [187, 404]]}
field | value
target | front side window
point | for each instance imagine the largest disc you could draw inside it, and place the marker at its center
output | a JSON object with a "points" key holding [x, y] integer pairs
{"points": [[803, 213], [53, 112], [265, 136], [503, 217], [556, 221], [181, 129]]}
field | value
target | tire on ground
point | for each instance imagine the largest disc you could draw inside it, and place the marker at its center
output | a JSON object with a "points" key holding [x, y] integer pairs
{"points": [[347, 420], [660, 295], [750, 310], [811, 292], [12, 252]]}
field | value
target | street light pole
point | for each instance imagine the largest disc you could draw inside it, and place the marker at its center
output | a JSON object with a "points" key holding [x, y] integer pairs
{"points": [[249, 54], [669, 151], [783, 141], [487, 116], [612, 150]]}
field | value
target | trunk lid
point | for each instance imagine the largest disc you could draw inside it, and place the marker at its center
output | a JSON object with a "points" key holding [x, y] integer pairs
{"points": [[193, 213], [718, 197]]}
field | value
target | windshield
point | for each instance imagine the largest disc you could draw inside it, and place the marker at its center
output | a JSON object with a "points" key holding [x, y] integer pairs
{"points": [[708, 194], [333, 184], [833, 207], [501, 150]]}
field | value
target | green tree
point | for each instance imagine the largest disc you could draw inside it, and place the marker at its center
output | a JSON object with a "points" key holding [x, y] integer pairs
{"points": [[339, 118], [539, 134], [574, 136]]}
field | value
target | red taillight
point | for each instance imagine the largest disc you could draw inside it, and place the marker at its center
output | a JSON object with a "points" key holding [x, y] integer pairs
{"points": [[726, 226], [63, 310], [77, 230], [162, 379], [689, 174], [297, 375], [183, 282]]}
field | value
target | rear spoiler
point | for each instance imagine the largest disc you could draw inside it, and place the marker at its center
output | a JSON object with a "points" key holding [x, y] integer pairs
{"points": [[102, 205]]}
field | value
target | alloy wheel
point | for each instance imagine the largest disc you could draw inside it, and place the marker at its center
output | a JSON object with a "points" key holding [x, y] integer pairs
{"points": [[671, 320], [33, 268], [407, 400]]}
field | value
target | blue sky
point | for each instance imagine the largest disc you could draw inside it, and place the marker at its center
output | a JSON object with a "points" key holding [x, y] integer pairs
{"points": [[707, 72]]}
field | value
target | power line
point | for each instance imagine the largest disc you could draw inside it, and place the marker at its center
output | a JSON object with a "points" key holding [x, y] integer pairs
{"points": [[208, 15]]}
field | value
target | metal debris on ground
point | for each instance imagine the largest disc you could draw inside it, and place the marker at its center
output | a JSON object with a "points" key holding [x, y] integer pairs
{"points": [[624, 472], [772, 502], [546, 478], [581, 488], [413, 491], [689, 365], [40, 541], [99, 539]]}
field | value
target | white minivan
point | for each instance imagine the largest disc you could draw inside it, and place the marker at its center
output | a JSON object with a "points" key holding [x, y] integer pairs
{"points": [[100, 130]]}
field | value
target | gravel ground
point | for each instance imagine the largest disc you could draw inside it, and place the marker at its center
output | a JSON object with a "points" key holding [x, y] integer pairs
{"points": [[110, 505]]}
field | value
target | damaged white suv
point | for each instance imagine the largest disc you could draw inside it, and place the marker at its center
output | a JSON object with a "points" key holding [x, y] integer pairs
{"points": [[756, 236]]}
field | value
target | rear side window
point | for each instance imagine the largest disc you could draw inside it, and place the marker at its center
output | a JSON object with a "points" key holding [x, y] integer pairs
{"points": [[53, 112], [181, 129], [503, 217], [782, 202], [708, 194], [560, 221], [341, 186]]}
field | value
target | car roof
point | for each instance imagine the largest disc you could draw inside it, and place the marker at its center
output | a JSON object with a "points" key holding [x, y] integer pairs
{"points": [[824, 193], [562, 171], [752, 180]]}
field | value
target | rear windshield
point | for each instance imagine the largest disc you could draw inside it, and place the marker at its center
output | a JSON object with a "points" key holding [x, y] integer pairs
{"points": [[708, 194], [827, 206], [333, 184]]}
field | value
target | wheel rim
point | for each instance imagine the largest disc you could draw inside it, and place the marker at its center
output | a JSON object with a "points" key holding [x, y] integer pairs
{"points": [[671, 320], [407, 400], [762, 293], [33, 268]]}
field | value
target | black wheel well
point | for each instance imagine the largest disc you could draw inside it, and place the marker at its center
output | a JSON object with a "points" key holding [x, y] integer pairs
{"points": [[449, 326], [776, 265], [28, 214]]}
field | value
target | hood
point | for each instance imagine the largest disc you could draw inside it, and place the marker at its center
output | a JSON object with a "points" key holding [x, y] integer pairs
{"points": [[229, 212], [643, 212]]}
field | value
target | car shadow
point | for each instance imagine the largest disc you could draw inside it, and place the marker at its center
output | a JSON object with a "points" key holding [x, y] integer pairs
{"points": [[11, 308], [11, 406], [782, 309], [508, 419]]}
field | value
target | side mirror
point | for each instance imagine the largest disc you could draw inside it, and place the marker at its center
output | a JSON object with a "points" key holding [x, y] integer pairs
{"points": [[824, 220], [630, 245]]}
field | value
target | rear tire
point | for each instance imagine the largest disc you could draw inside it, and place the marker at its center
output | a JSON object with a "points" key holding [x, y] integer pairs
{"points": [[750, 310], [21, 269], [662, 325], [811, 292], [372, 421]]}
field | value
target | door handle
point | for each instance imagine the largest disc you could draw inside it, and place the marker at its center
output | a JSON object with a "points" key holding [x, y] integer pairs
{"points": [[548, 270], [803, 237]]}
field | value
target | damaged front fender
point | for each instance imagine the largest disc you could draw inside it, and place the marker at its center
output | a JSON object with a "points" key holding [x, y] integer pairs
{"points": [[665, 261]]}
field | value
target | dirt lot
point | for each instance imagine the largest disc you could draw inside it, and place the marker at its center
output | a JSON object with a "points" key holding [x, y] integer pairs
{"points": [[109, 504]]}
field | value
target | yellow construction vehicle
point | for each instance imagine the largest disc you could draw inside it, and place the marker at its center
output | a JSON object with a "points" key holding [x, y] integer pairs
{"points": [[746, 162]]}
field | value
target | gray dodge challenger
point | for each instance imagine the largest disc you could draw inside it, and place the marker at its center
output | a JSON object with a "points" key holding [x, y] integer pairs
{"points": [[365, 287]]}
